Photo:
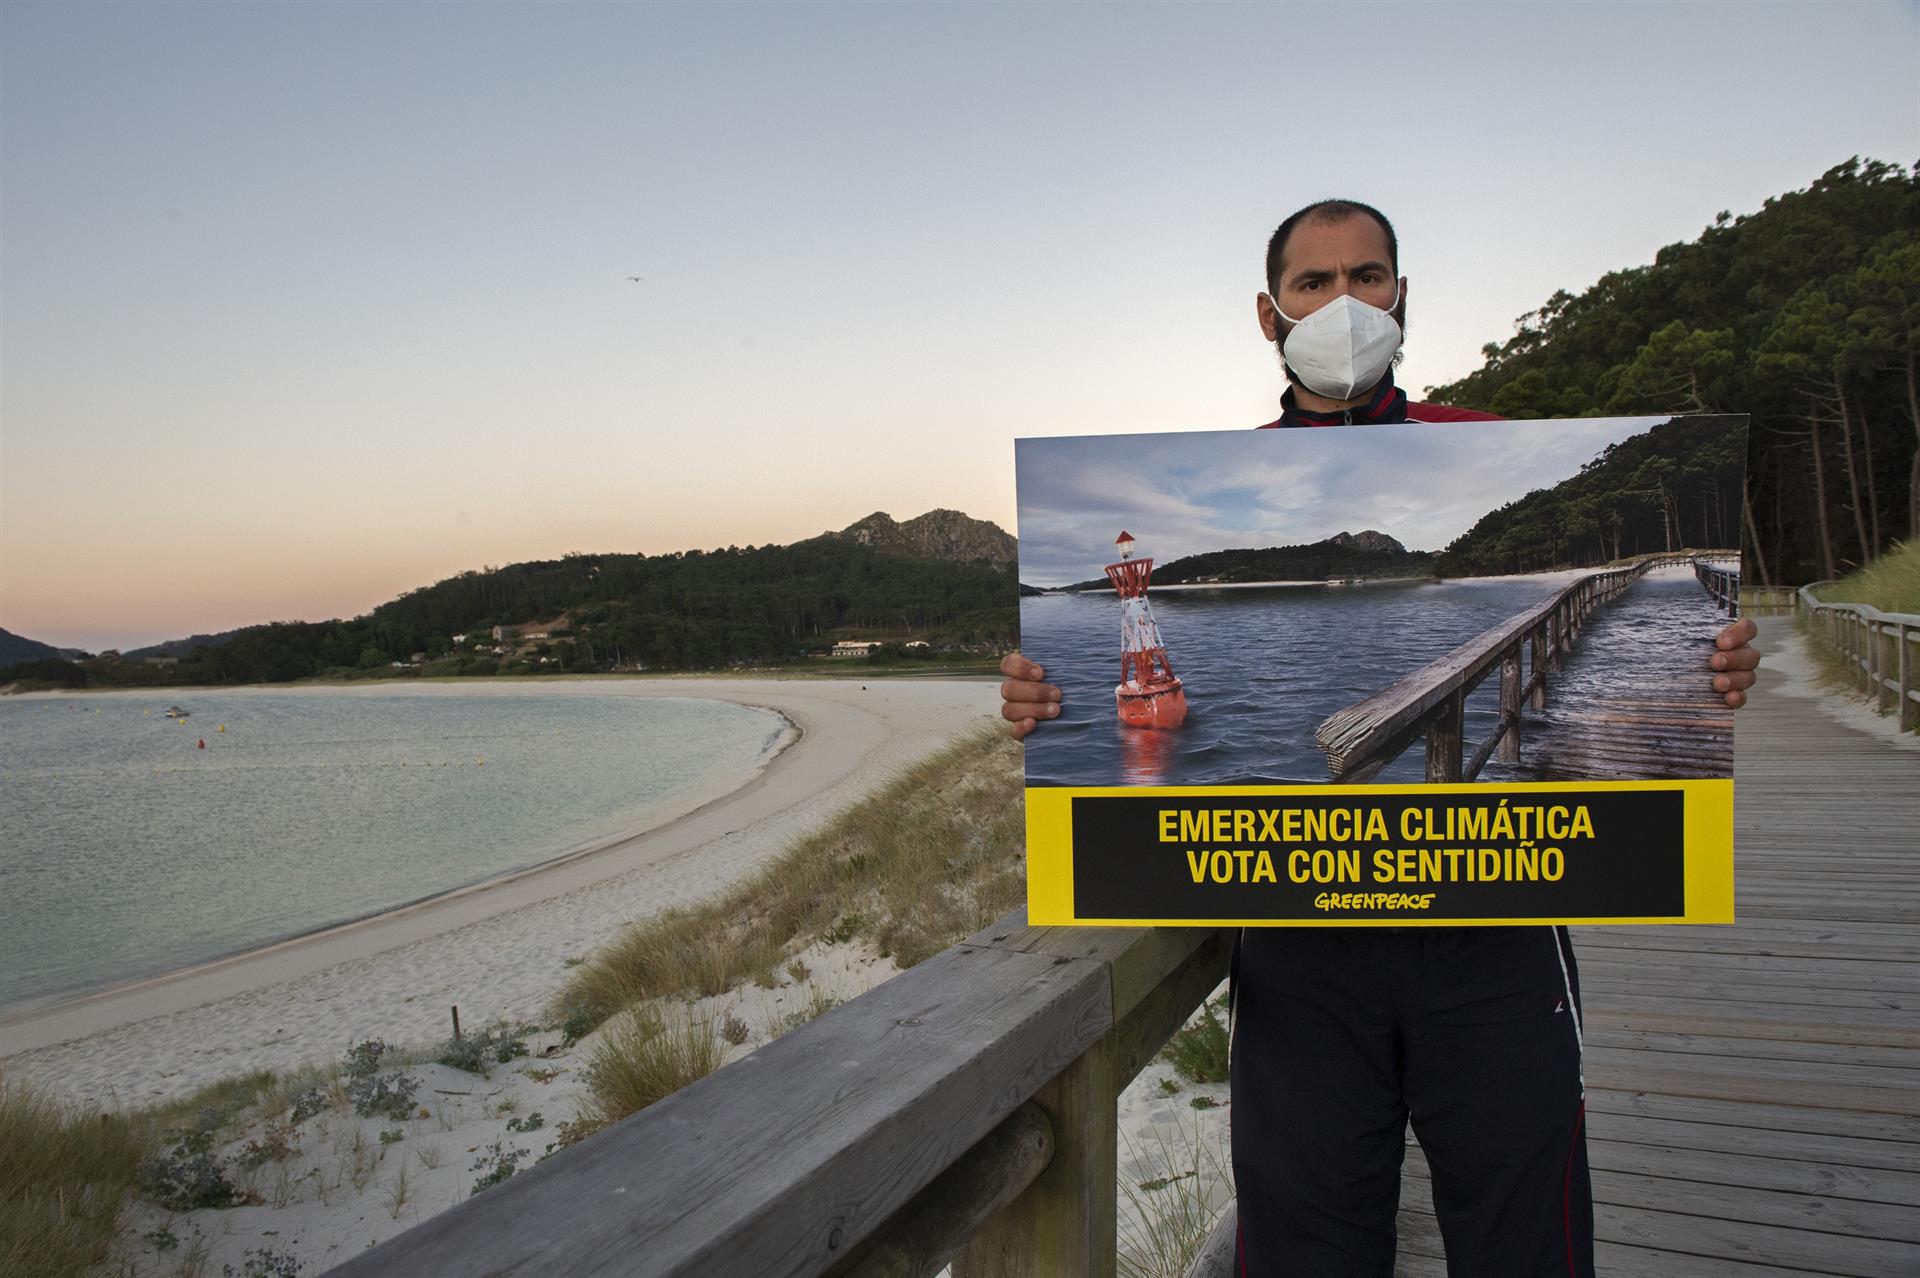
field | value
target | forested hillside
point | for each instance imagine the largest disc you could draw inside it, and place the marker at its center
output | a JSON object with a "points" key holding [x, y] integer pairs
{"points": [[1367, 554], [691, 610], [1676, 486], [1805, 315]]}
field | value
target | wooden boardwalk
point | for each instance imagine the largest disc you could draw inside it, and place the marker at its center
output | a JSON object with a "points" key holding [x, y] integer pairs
{"points": [[1663, 719], [1754, 1090]]}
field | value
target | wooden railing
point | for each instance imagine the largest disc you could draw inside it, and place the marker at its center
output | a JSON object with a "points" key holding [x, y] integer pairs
{"points": [[1767, 601], [1878, 648], [1431, 702], [1721, 582], [964, 1110]]}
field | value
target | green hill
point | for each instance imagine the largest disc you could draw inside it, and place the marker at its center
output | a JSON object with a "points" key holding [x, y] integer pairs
{"points": [[1805, 314], [688, 610]]}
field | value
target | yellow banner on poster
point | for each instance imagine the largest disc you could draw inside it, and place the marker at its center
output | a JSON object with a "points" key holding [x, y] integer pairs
{"points": [[1582, 852]]}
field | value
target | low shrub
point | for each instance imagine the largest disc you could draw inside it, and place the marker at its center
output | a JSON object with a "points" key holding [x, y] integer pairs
{"points": [[308, 1103], [187, 1182], [476, 1052], [1199, 1051], [263, 1262], [190, 1176], [497, 1164], [274, 1145], [383, 1095]]}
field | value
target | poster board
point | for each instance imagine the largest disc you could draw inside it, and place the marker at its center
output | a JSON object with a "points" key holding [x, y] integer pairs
{"points": [[1420, 674]]}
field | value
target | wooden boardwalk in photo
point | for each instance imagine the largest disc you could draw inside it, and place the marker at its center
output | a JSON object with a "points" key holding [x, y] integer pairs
{"points": [[1635, 699], [1754, 1090]]}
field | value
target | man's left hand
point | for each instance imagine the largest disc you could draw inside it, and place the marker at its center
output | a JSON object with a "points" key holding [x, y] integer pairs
{"points": [[1735, 660]]}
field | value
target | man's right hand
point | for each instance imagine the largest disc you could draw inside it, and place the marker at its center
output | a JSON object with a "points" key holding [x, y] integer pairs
{"points": [[1024, 700]]}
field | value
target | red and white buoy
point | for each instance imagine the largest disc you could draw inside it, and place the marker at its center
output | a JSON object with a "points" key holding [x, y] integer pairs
{"points": [[1150, 695]]}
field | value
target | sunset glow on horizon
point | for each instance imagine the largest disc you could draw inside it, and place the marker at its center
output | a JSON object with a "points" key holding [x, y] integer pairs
{"points": [[305, 306]]}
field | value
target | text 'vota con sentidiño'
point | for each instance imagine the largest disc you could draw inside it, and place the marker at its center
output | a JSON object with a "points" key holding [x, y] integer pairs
{"points": [[1502, 842]]}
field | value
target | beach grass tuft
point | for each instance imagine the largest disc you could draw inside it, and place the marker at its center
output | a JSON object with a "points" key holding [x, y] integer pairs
{"points": [[649, 1056], [1166, 1215], [65, 1179], [931, 857]]}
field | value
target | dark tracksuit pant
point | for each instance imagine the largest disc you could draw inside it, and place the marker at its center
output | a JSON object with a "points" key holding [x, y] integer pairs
{"points": [[1343, 1034]]}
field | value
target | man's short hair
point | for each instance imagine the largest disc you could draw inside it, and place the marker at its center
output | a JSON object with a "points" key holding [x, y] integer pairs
{"points": [[1326, 211]]}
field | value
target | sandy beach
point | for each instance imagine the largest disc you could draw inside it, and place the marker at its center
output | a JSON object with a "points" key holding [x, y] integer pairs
{"points": [[340, 1182], [497, 949]]}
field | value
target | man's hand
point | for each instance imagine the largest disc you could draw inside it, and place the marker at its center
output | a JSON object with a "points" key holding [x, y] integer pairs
{"points": [[1025, 701], [1734, 661]]}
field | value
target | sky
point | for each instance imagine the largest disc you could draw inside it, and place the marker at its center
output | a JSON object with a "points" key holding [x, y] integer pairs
{"points": [[305, 305], [1422, 485]]}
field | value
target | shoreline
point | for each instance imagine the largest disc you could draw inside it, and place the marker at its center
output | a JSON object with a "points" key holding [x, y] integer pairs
{"points": [[770, 674], [789, 736], [495, 948]]}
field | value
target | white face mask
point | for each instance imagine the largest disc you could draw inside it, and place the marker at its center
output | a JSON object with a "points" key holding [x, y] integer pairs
{"points": [[1343, 349]]}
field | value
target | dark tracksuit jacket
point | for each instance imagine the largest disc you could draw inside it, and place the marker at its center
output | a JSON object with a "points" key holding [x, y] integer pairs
{"points": [[1341, 1035]]}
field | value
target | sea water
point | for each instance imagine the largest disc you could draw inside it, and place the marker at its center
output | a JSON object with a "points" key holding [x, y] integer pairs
{"points": [[1263, 667], [128, 850]]}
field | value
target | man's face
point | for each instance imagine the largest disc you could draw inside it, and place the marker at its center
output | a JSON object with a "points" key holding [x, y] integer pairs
{"points": [[1324, 260]]}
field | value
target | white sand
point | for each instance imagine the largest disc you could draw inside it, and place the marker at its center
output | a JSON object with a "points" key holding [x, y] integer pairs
{"points": [[498, 949], [343, 1187], [1788, 668]]}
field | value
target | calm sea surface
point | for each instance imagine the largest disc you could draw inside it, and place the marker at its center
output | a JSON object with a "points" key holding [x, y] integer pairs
{"points": [[1262, 668], [127, 851]]}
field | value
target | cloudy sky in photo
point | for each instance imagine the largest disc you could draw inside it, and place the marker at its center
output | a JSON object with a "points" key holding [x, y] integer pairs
{"points": [[1190, 492]]}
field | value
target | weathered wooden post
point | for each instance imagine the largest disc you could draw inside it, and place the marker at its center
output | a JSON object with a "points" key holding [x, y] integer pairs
{"points": [[1064, 1224], [1445, 739], [1510, 704], [1909, 711], [1537, 641]]}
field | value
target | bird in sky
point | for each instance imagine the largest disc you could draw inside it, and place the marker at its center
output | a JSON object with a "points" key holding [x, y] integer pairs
{"points": [[638, 279]]}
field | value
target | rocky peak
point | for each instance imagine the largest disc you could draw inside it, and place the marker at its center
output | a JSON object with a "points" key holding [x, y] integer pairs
{"points": [[1367, 540], [938, 534]]}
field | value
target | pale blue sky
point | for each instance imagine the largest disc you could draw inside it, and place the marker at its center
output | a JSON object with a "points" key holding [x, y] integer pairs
{"points": [[304, 305], [1189, 493]]}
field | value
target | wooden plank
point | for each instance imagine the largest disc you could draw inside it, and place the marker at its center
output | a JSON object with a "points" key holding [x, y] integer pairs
{"points": [[1722, 1080], [1856, 1160], [1798, 1177], [1839, 1032], [1896, 1131], [1677, 1217], [789, 1158], [1597, 1035]]}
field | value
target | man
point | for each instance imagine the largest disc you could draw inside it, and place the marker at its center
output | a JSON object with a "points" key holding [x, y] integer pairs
{"points": [[1341, 1035]]}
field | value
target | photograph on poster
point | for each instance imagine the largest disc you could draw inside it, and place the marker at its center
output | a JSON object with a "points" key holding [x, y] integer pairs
{"points": [[1208, 601], [1454, 671]]}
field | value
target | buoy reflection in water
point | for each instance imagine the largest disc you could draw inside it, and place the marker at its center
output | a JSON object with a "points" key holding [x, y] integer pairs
{"points": [[1146, 758]]}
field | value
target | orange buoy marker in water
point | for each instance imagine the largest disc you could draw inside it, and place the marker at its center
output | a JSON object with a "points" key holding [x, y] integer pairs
{"points": [[1150, 695]]}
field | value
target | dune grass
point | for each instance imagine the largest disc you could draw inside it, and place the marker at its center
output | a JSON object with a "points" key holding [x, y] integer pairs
{"points": [[1165, 1218], [1890, 583], [649, 1056], [65, 1178], [933, 856]]}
